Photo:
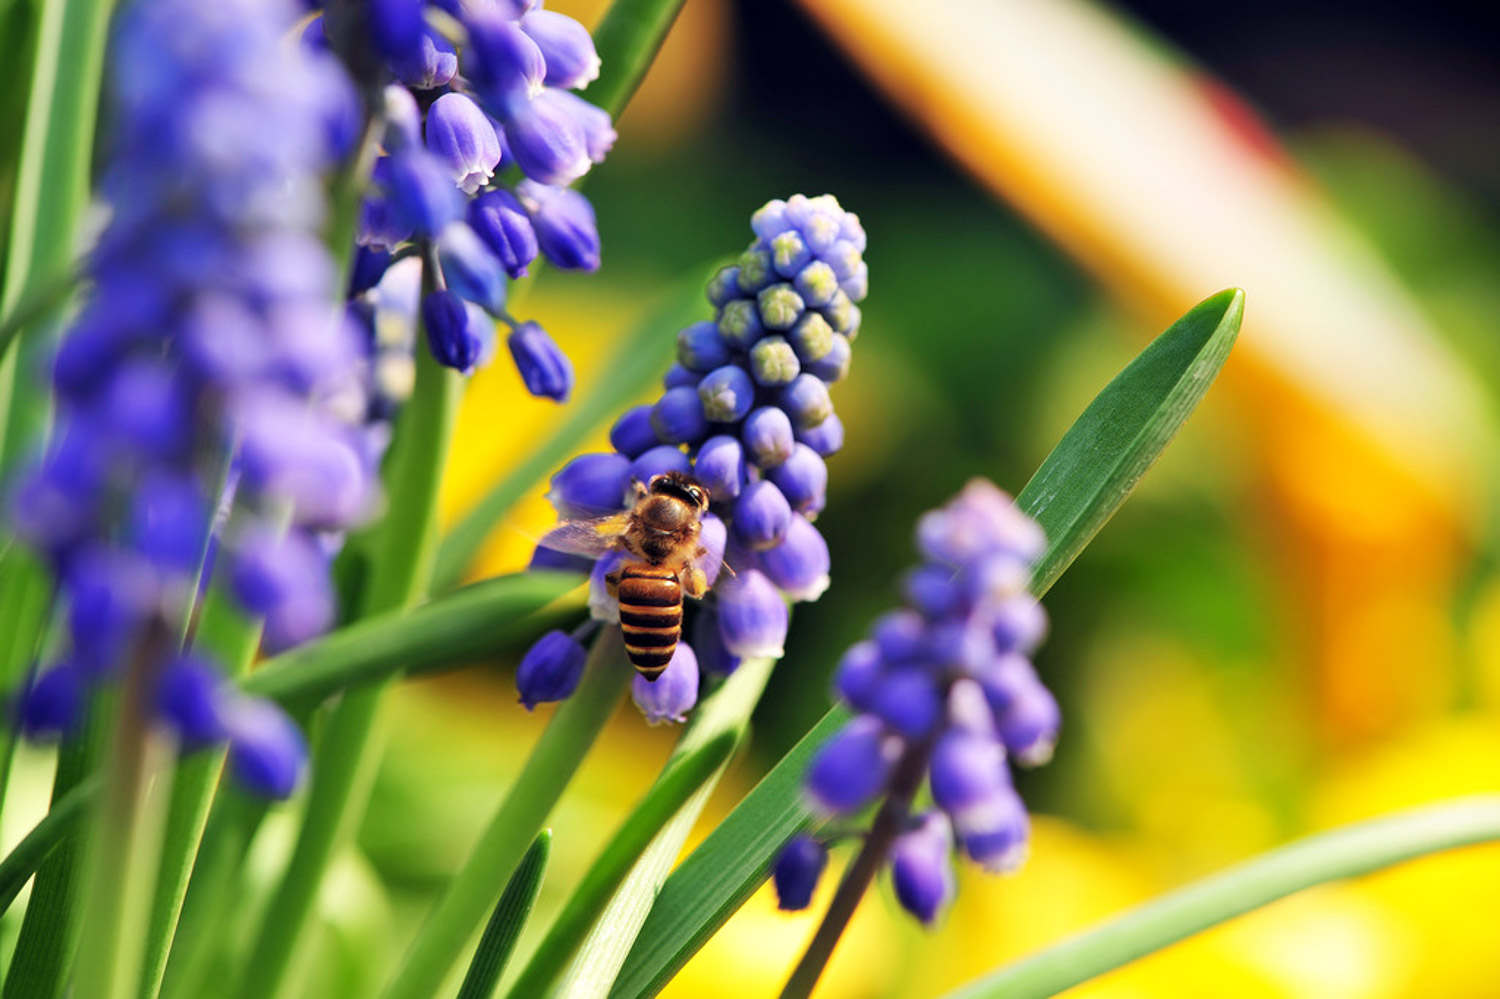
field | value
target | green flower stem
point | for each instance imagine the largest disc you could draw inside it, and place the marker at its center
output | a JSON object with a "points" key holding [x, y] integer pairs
{"points": [[52, 184], [507, 921], [601, 956], [1343, 853], [50, 928], [677, 783], [212, 893], [552, 763]]}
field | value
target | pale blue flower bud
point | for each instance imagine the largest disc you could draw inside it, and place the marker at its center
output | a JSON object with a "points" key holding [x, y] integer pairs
{"points": [[806, 401], [502, 60], [761, 516], [908, 700], [739, 323], [811, 338], [659, 460], [543, 366], [857, 678], [799, 565], [842, 314], [471, 271], [701, 348], [769, 220], [713, 536], [934, 590], [677, 376], [433, 64], [713, 657], [789, 253], [755, 269], [803, 480], [780, 306], [545, 136], [590, 485], [720, 467], [502, 222], [673, 693], [796, 872], [679, 418], [851, 768], [632, 435], [566, 47], [826, 438], [191, 696], [461, 136], [724, 287], [833, 366], [53, 704], [773, 362], [551, 669], [598, 128], [921, 871], [901, 636], [967, 769], [565, 226], [453, 340], [995, 832], [1020, 624], [421, 191], [817, 285], [604, 606], [727, 394], [752, 616], [267, 753], [767, 434]]}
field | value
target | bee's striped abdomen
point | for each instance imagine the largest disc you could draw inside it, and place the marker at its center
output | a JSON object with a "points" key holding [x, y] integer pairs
{"points": [[650, 616]]}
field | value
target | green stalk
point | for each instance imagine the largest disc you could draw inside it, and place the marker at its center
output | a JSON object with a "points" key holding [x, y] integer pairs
{"points": [[50, 928], [552, 763], [25, 599], [677, 783], [348, 750], [602, 954], [507, 921], [36, 846], [1343, 853]]}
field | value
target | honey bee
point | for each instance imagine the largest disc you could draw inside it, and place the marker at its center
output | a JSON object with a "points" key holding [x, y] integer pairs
{"points": [[660, 538]]}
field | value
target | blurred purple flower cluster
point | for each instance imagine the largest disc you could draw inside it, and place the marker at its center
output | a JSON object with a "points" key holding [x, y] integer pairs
{"points": [[210, 330], [481, 88], [745, 411], [943, 689]]}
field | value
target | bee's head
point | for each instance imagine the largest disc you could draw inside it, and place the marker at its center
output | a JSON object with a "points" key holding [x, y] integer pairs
{"points": [[682, 486]]}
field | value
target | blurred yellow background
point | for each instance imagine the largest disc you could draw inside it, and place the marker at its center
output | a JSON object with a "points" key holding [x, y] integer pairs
{"points": [[1294, 624]]}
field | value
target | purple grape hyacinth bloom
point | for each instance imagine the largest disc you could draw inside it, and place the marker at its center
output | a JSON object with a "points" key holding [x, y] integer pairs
{"points": [[212, 370], [739, 414], [943, 691]]}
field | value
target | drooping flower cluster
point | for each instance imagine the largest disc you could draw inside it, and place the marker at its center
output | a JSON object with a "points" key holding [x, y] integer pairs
{"points": [[480, 88], [944, 690], [745, 411], [209, 370]]}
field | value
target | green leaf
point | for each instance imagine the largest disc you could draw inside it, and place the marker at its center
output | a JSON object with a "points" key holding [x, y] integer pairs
{"points": [[27, 855], [1078, 488], [641, 357], [505, 925], [548, 769], [717, 878], [676, 784], [462, 627], [1107, 450], [603, 953], [627, 39], [1342, 853]]}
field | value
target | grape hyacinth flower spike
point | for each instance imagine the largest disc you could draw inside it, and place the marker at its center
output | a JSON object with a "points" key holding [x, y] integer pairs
{"points": [[746, 414], [944, 692], [452, 121], [209, 392]]}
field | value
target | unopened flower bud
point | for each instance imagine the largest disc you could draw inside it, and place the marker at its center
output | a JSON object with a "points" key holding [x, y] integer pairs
{"points": [[551, 669], [632, 435], [504, 226], [502, 60], [752, 615], [806, 401], [921, 867], [679, 417], [659, 460], [545, 136], [453, 341], [543, 366], [817, 285], [773, 362], [908, 700], [780, 306], [53, 704], [566, 47], [471, 271], [811, 337], [767, 435], [755, 270], [851, 768], [673, 693], [826, 438], [739, 323], [589, 485], [713, 657], [996, 831], [799, 565], [565, 226], [789, 253], [701, 348], [267, 753], [461, 136], [724, 287], [796, 872], [727, 394], [802, 479], [833, 366], [720, 467], [761, 516], [191, 695]]}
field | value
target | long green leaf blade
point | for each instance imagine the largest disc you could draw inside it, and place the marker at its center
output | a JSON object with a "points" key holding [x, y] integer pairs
{"points": [[1123, 431], [505, 925], [1342, 853], [661, 802], [1078, 488], [642, 355], [627, 39]]}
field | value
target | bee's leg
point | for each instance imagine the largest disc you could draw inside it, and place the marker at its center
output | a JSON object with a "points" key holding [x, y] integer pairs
{"points": [[612, 583], [694, 582]]}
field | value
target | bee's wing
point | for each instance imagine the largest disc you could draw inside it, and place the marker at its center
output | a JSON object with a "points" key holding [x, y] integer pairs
{"points": [[589, 538]]}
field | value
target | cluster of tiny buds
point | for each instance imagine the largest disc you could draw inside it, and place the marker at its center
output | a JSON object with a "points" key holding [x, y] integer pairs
{"points": [[479, 89], [746, 412], [942, 689]]}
